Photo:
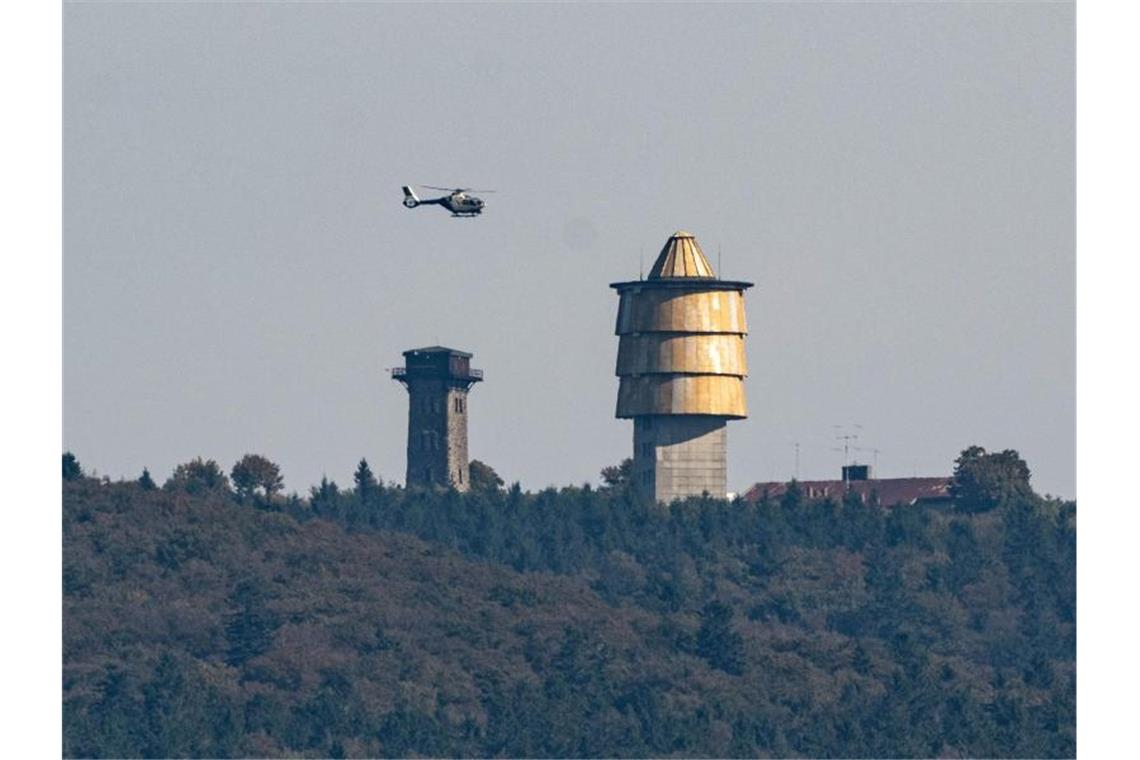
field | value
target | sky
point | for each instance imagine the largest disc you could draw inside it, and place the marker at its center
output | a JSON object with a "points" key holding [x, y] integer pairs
{"points": [[898, 181]]}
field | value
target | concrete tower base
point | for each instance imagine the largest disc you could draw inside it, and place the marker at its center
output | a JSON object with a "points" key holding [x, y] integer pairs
{"points": [[678, 456]]}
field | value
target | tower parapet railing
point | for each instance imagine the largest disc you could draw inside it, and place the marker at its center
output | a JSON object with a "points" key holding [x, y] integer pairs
{"points": [[471, 374]]}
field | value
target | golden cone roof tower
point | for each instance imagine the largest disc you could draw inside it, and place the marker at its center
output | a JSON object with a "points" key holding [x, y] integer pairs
{"points": [[681, 364], [681, 257]]}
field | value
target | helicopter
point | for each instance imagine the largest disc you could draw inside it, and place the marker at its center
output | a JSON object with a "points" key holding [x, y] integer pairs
{"points": [[457, 200]]}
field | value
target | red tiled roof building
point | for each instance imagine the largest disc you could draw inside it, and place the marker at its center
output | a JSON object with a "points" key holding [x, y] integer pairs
{"points": [[889, 492]]}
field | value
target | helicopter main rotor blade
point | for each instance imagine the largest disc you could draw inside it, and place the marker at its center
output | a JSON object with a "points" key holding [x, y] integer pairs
{"points": [[455, 189]]}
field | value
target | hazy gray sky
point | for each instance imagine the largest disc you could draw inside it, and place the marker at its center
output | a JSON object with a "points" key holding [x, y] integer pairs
{"points": [[897, 179]]}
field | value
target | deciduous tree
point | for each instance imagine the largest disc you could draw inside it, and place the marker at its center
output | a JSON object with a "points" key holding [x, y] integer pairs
{"points": [[198, 477], [254, 471], [483, 477], [982, 481]]}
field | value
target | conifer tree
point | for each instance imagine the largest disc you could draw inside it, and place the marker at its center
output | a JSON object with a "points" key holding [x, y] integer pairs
{"points": [[250, 626], [71, 468], [717, 642], [366, 483], [323, 499], [619, 475]]}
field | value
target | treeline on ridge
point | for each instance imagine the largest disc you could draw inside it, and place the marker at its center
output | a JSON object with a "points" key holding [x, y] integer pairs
{"points": [[213, 616]]}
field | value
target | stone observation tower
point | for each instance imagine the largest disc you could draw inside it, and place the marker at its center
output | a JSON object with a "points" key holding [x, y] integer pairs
{"points": [[437, 380], [682, 367]]}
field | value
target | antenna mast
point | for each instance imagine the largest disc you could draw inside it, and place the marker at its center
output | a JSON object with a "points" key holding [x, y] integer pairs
{"points": [[874, 455], [847, 438]]}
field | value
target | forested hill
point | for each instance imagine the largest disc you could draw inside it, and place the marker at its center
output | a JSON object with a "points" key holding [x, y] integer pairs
{"points": [[204, 620]]}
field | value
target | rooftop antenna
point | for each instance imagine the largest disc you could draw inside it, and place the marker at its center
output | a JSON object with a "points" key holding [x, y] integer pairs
{"points": [[874, 455], [847, 438], [833, 448], [719, 269], [641, 263]]}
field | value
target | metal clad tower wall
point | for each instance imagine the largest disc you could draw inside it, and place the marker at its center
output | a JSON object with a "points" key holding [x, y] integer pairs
{"points": [[438, 380], [681, 364]]}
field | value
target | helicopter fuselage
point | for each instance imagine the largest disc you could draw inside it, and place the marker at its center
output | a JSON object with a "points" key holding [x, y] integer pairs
{"points": [[459, 203], [462, 204]]}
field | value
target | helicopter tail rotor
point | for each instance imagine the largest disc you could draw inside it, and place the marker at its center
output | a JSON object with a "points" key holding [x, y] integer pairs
{"points": [[410, 199]]}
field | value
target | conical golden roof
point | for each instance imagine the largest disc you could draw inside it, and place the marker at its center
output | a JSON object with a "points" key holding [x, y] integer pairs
{"points": [[681, 257]]}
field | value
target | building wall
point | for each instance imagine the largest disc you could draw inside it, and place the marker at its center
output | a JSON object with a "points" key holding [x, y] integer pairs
{"points": [[716, 354], [437, 434], [678, 456], [457, 464], [650, 309], [685, 395]]}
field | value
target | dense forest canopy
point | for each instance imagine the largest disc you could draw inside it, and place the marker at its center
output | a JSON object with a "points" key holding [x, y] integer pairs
{"points": [[213, 616]]}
